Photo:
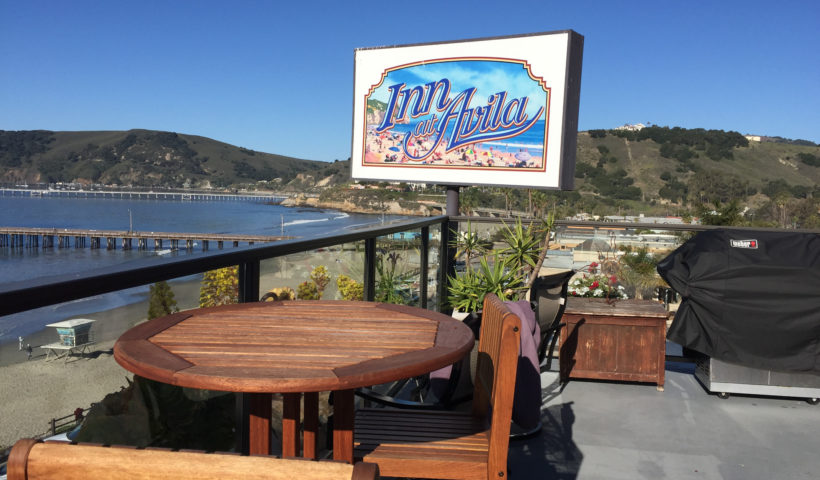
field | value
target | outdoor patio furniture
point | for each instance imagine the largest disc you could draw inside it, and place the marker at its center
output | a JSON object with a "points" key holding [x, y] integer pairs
{"points": [[446, 444], [34, 460], [452, 385], [294, 347], [549, 296], [623, 340]]}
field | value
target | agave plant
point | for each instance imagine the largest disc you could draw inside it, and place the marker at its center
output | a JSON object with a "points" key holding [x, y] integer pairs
{"points": [[523, 247], [499, 279], [468, 244], [468, 289]]}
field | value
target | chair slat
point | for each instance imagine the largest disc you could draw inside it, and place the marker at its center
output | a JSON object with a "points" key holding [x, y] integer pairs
{"points": [[33, 460]]}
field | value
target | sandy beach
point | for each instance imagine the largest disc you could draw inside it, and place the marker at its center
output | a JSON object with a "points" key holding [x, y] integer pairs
{"points": [[32, 392], [36, 391]]}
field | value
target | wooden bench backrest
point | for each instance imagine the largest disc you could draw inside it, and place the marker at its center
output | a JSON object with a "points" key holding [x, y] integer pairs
{"points": [[35, 460], [495, 375]]}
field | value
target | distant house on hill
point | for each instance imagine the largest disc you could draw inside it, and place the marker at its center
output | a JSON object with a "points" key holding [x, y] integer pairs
{"points": [[631, 127], [753, 138]]}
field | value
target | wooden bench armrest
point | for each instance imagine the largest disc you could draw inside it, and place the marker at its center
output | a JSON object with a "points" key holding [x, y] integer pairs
{"points": [[34, 460]]}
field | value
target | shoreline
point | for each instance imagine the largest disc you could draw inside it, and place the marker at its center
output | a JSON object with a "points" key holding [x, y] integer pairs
{"points": [[108, 326], [112, 322]]}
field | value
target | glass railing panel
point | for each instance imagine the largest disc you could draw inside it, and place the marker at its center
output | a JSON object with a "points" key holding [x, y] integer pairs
{"points": [[628, 254], [60, 378], [315, 274], [398, 268]]}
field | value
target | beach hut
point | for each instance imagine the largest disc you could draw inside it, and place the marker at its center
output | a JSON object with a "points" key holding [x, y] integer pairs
{"points": [[75, 335]]}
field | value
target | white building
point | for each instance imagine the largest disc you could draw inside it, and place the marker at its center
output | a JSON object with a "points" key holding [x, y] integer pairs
{"points": [[631, 127]]}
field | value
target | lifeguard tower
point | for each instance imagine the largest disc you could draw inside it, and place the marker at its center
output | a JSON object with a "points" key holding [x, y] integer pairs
{"points": [[75, 336]]}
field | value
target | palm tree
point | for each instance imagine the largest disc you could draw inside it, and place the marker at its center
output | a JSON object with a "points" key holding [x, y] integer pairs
{"points": [[547, 225], [638, 269]]}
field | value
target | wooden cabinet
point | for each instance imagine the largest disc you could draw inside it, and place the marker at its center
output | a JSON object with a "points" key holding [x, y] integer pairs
{"points": [[625, 340]]}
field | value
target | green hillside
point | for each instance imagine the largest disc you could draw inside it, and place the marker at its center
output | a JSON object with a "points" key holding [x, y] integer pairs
{"points": [[682, 172], [663, 171], [139, 158], [657, 171]]}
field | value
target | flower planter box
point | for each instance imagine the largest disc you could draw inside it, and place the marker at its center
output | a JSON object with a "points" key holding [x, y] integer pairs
{"points": [[625, 340]]}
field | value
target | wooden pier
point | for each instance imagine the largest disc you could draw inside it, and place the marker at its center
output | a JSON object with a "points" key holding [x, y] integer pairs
{"points": [[22, 238], [146, 195]]}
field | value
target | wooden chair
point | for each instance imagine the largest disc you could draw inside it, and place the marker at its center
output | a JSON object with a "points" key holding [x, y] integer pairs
{"points": [[548, 297], [446, 444], [35, 460]]}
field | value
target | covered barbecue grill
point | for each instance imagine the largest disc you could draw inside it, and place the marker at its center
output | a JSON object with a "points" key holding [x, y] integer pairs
{"points": [[751, 304]]}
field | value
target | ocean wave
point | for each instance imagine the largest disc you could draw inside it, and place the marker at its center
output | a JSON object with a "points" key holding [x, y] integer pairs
{"points": [[302, 222]]}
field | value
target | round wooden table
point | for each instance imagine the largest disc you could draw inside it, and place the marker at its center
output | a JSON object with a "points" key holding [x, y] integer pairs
{"points": [[294, 347]]}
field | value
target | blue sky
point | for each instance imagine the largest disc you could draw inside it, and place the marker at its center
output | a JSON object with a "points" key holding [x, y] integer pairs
{"points": [[278, 77]]}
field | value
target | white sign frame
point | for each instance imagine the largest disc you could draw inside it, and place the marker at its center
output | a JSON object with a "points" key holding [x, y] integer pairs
{"points": [[398, 148]]}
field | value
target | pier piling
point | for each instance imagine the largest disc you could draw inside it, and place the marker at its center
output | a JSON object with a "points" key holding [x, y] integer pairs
{"points": [[36, 238]]}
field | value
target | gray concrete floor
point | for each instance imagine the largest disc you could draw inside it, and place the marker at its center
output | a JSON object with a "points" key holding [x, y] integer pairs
{"points": [[609, 430]]}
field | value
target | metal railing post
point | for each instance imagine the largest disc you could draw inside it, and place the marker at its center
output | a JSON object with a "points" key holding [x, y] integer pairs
{"points": [[249, 281], [424, 260], [370, 269], [248, 274]]}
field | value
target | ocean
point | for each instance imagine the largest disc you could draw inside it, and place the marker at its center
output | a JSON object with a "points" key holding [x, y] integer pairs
{"points": [[139, 215], [532, 140]]}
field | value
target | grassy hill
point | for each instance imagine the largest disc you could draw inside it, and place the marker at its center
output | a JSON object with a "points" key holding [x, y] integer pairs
{"points": [[140, 158], [758, 163], [656, 171], [752, 173]]}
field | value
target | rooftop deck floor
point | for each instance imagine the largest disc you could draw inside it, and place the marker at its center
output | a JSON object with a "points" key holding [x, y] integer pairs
{"points": [[608, 430]]}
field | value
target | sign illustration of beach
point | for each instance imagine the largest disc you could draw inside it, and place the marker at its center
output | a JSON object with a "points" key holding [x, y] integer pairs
{"points": [[450, 113], [490, 111]]}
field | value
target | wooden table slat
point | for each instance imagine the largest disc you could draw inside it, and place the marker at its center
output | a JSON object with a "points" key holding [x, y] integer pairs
{"points": [[303, 361]]}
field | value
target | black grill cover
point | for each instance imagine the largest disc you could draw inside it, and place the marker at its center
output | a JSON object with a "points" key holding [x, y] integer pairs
{"points": [[749, 297]]}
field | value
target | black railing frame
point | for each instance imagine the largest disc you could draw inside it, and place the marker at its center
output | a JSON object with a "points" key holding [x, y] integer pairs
{"points": [[44, 291]]}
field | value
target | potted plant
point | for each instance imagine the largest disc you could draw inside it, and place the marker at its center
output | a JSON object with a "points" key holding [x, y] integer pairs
{"points": [[507, 272], [637, 269], [467, 290], [591, 284]]}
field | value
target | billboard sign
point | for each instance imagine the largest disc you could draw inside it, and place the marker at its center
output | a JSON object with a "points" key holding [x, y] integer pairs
{"points": [[499, 111]]}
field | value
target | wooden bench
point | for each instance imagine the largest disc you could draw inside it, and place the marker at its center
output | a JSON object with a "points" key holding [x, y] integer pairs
{"points": [[445, 444], [35, 460]]}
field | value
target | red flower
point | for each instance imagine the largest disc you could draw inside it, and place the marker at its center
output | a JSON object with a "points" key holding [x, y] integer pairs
{"points": [[613, 279], [594, 284], [593, 264]]}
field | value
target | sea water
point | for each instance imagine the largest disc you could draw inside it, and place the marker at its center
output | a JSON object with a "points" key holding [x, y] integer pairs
{"points": [[224, 217]]}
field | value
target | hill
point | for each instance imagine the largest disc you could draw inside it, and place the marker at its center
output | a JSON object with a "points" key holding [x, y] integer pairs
{"points": [[678, 166], [654, 171], [139, 158]]}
